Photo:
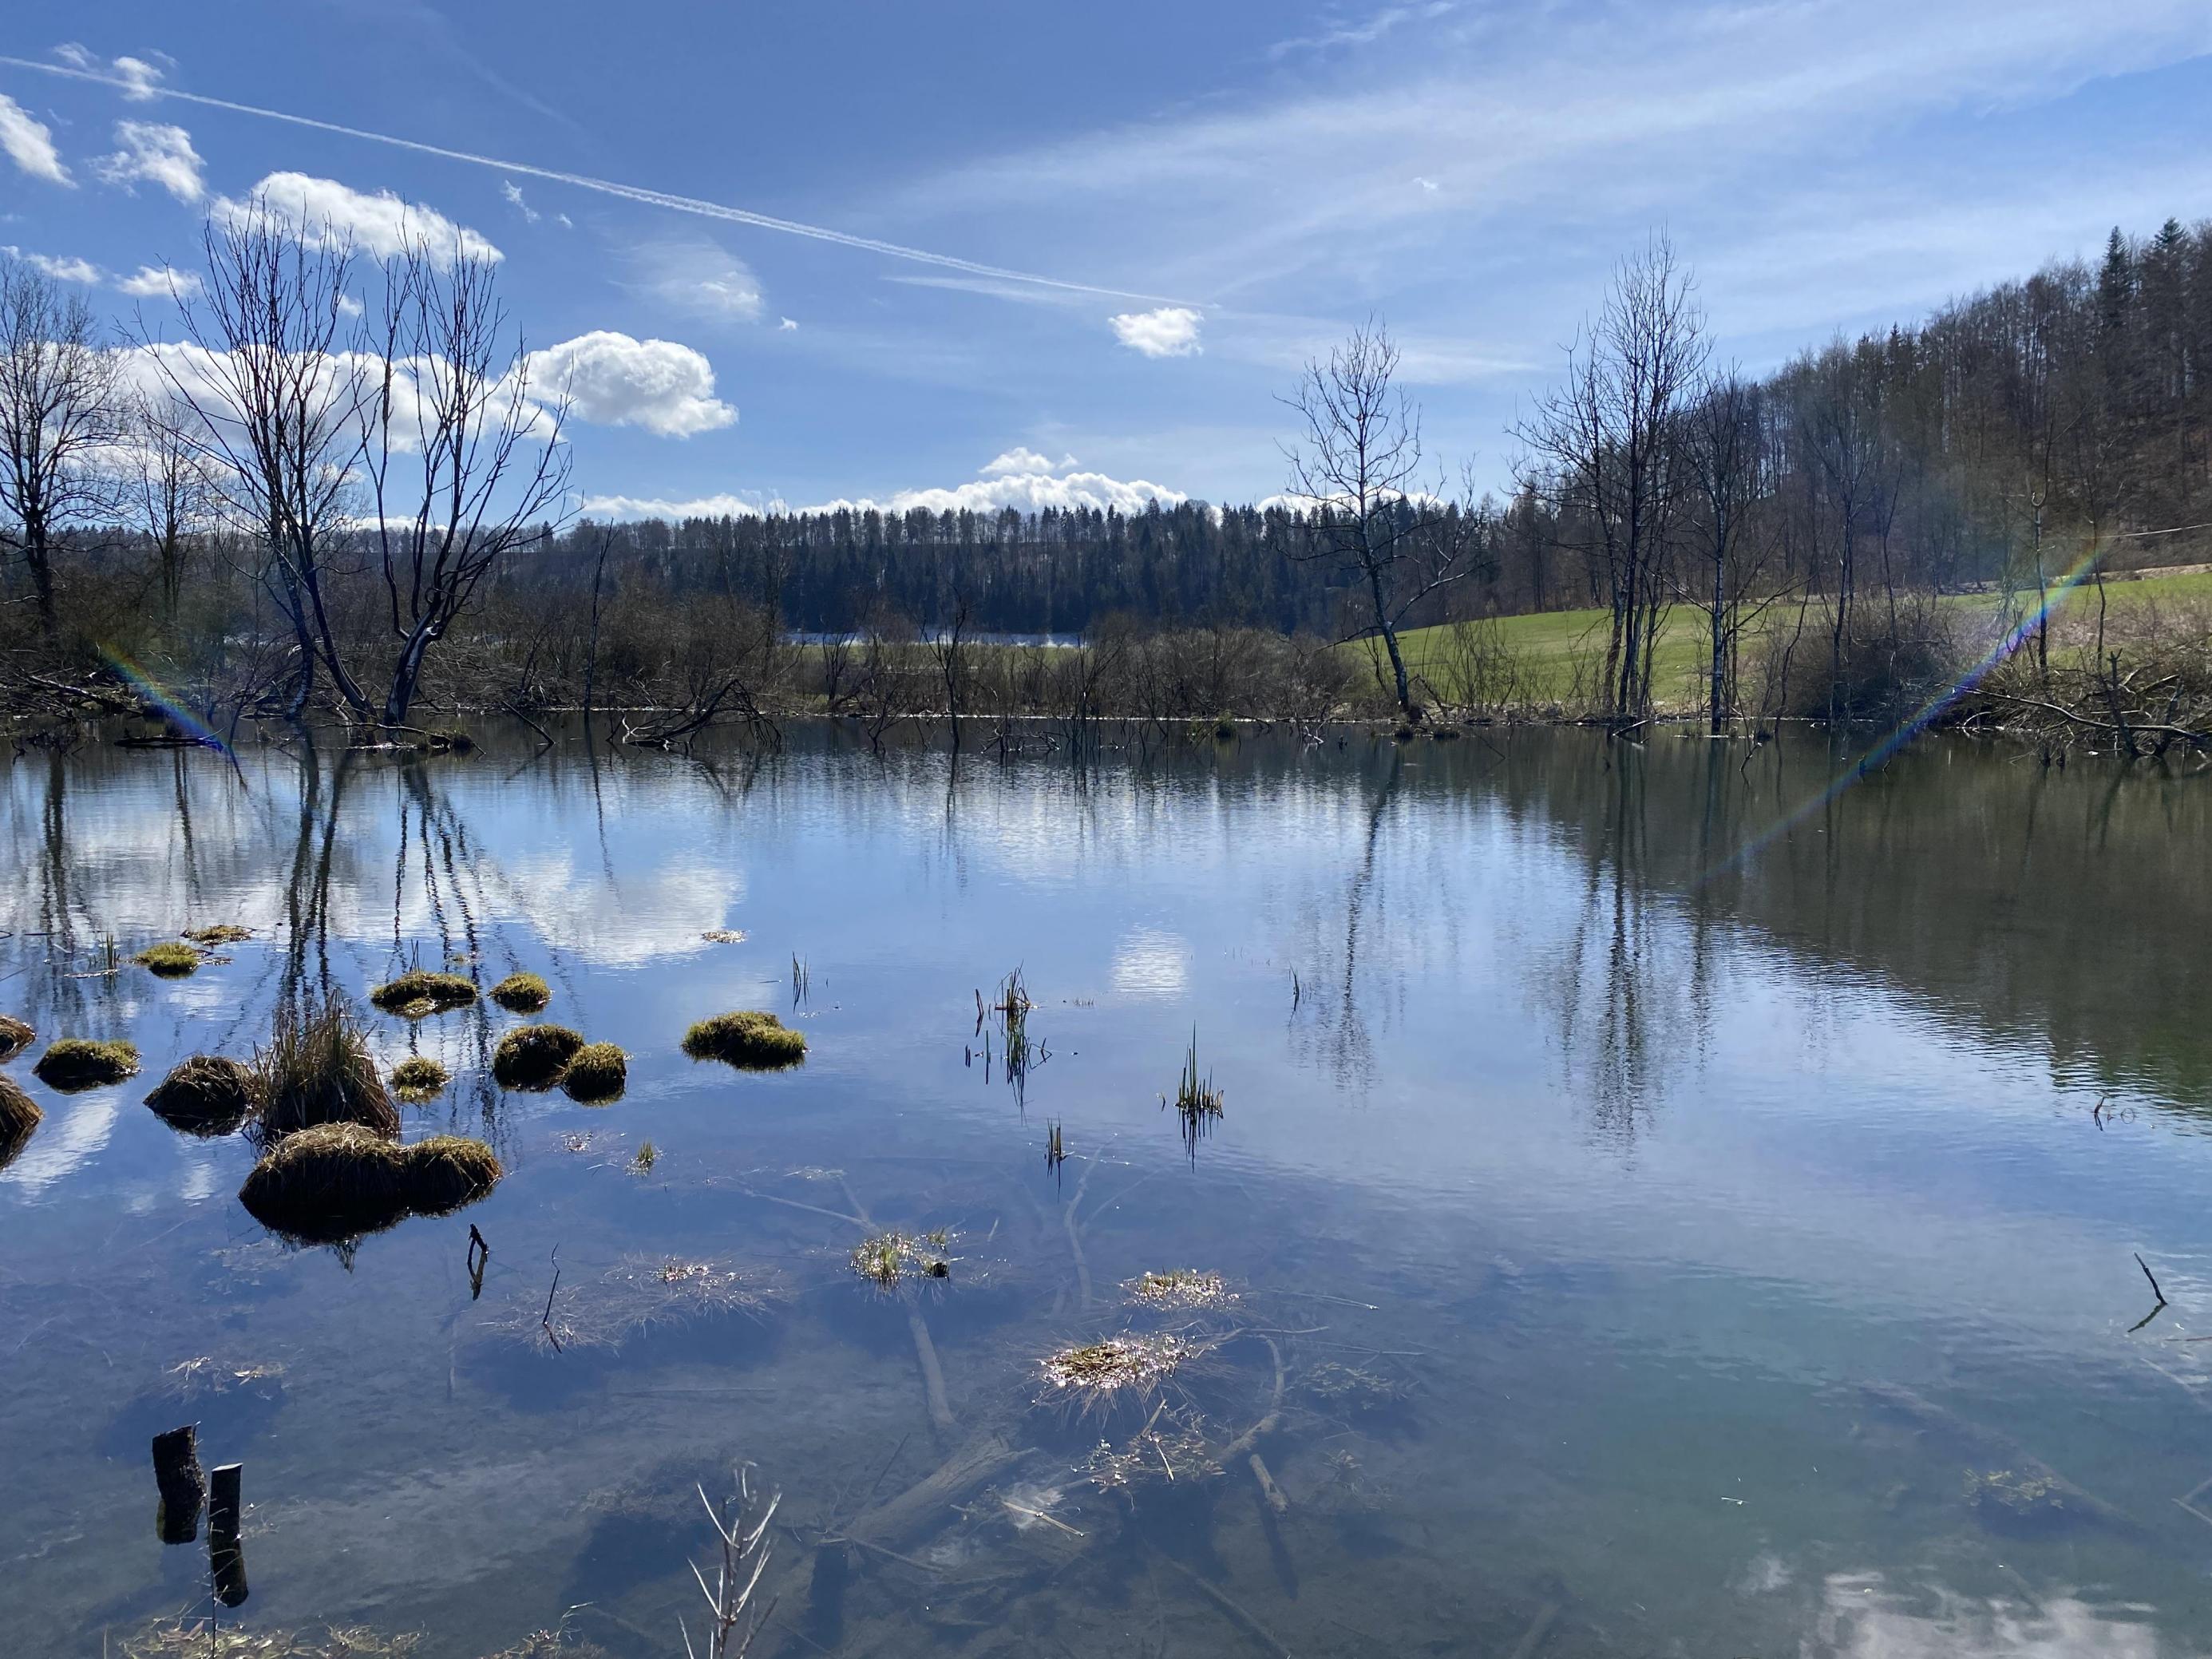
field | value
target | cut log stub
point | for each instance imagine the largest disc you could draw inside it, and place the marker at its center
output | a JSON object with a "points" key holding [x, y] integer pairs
{"points": [[226, 1558], [183, 1487]]}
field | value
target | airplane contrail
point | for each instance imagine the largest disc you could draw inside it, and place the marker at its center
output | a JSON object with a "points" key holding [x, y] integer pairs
{"points": [[691, 204]]}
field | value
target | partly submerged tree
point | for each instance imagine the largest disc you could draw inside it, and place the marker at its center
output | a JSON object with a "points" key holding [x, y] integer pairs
{"points": [[1358, 477], [58, 424]]}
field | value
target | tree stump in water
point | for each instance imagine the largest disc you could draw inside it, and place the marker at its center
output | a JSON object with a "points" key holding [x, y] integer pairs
{"points": [[183, 1487], [226, 1558]]}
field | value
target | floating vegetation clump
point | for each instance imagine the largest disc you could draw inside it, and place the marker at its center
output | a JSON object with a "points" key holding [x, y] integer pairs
{"points": [[19, 1117], [597, 1075], [318, 1069], [222, 932], [207, 1095], [338, 1179], [724, 936], [646, 1156], [1197, 1101], [14, 1036], [1128, 1364], [409, 995], [1353, 1390], [748, 1038], [200, 1638], [169, 960], [534, 1056], [418, 1078], [1179, 1287], [2016, 1497], [522, 994], [74, 1063], [637, 1295], [1173, 1446], [888, 1258]]}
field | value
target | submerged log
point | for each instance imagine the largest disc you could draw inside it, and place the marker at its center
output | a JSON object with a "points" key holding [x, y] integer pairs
{"points": [[1995, 1446], [226, 1556], [921, 1505], [183, 1487]]}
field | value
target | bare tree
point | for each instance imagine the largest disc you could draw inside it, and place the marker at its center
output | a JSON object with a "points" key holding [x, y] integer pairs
{"points": [[58, 424], [1724, 453], [1358, 474], [1608, 445], [464, 463], [270, 393], [172, 495]]}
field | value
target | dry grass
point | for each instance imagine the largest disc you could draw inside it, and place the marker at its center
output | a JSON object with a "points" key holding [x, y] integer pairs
{"points": [[888, 1258], [222, 932], [748, 1038], [418, 986], [418, 1078], [522, 994], [318, 1069], [637, 1295], [169, 960], [74, 1063], [194, 1638], [1121, 1365], [19, 1117], [339, 1180], [207, 1095], [1179, 1287], [597, 1075], [14, 1036], [534, 1056]]}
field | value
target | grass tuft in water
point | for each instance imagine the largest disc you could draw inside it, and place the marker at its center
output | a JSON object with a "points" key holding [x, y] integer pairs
{"points": [[888, 1258], [419, 986], [1179, 1287], [1197, 1101], [1055, 1149], [522, 994], [207, 1095], [317, 1069], [201, 1638], [338, 1179], [418, 1078], [534, 1056], [19, 1117], [169, 960], [647, 1155], [74, 1063], [598, 1075], [220, 932], [14, 1036], [1128, 1364], [747, 1038]]}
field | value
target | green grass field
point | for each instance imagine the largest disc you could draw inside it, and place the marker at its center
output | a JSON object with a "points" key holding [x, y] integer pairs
{"points": [[1550, 650]]}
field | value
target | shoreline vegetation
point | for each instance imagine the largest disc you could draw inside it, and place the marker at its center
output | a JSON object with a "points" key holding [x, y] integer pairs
{"points": [[1992, 519]]}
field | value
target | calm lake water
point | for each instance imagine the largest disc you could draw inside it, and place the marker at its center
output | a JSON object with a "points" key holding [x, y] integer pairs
{"points": [[1674, 1189]]}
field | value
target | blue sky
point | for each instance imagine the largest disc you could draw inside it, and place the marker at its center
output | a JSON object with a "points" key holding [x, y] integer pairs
{"points": [[1216, 191]]}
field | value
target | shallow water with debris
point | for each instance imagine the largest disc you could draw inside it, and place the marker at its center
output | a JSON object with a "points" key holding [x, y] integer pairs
{"points": [[1675, 1199]]}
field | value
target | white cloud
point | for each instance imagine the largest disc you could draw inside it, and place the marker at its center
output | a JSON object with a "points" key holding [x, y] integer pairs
{"points": [[786, 326], [1169, 331], [142, 79], [1023, 479], [1020, 462], [613, 379], [61, 270], [656, 506], [701, 278], [157, 152], [325, 213], [512, 191], [29, 145], [75, 55], [349, 307], [153, 282]]}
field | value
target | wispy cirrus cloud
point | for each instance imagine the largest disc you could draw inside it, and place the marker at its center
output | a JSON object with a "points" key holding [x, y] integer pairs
{"points": [[29, 144]]}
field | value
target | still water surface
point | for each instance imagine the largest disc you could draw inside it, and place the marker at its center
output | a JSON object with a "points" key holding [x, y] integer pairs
{"points": [[1683, 1228]]}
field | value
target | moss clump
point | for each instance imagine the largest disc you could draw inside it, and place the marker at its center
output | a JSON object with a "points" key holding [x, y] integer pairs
{"points": [[19, 1117], [338, 1179], [207, 1095], [419, 984], [170, 960], [521, 993], [74, 1063], [317, 1069], [756, 1040], [222, 932], [597, 1074], [534, 1056], [14, 1037], [418, 1078]]}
